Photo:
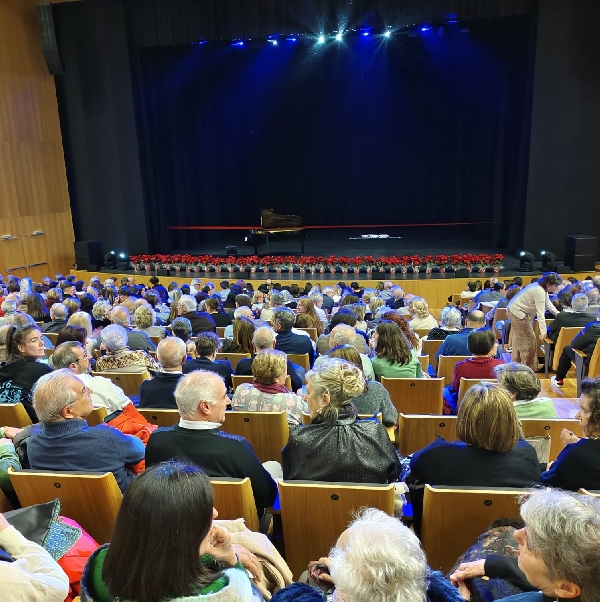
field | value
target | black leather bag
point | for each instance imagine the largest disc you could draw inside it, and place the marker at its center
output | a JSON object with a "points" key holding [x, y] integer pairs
{"points": [[34, 522]]}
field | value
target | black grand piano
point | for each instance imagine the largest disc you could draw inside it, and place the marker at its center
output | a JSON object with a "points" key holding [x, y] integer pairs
{"points": [[276, 226]]}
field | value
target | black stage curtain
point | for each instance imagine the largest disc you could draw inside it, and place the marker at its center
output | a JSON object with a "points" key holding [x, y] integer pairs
{"points": [[426, 129]]}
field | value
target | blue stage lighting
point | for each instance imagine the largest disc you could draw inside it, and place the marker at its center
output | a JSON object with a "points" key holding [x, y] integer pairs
{"points": [[291, 39], [274, 42], [425, 28], [321, 40], [237, 43], [365, 33], [338, 37], [387, 34]]}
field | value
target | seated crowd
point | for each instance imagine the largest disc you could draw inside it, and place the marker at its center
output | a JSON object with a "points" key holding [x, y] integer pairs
{"points": [[319, 355]]}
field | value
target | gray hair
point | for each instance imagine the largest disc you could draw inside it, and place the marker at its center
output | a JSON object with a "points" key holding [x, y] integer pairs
{"points": [[518, 379], [593, 295], [197, 386], [277, 299], [207, 343], [342, 334], [189, 302], [8, 306], [3, 333], [243, 311], [596, 281], [64, 354], [379, 560], [284, 317], [564, 530], [450, 317], [58, 311], [171, 352], [263, 338], [121, 316], [114, 337], [315, 297], [52, 393], [579, 302]]}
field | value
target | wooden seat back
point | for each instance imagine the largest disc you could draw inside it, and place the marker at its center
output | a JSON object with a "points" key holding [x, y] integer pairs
{"points": [[156, 340], [436, 314], [233, 498], [416, 431], [160, 417], [267, 432], [52, 336], [5, 504], [221, 331], [499, 315], [335, 505], [239, 380], [486, 307], [93, 499], [301, 359], [422, 332], [541, 427], [233, 358], [311, 331], [467, 383], [453, 519], [415, 395], [96, 416], [128, 381], [446, 365], [424, 361], [565, 337], [430, 347], [14, 414]]}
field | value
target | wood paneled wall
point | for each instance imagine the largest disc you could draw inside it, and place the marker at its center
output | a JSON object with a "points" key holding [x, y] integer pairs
{"points": [[33, 183]]}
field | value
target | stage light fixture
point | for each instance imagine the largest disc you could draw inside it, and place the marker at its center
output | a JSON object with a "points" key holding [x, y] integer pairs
{"points": [[338, 37], [549, 263], [321, 39], [425, 28], [291, 39], [237, 43], [110, 260], [387, 34], [274, 42], [123, 260], [526, 260]]}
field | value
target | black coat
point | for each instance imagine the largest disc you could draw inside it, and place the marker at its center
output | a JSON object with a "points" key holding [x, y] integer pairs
{"points": [[568, 319], [221, 367], [201, 321], [586, 340], [159, 391]]}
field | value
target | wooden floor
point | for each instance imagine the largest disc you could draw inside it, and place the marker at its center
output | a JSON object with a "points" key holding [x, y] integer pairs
{"points": [[565, 398]]}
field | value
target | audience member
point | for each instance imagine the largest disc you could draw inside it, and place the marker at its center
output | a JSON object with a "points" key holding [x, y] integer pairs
{"points": [[344, 316], [288, 341], [182, 329], [414, 342], [36, 308], [202, 400], [396, 299], [457, 344], [578, 317], [136, 339], [207, 346], [9, 307], [493, 295], [421, 318], [305, 307], [73, 355], [470, 291], [242, 311], [3, 333], [159, 288], [337, 447], [241, 341], [160, 391], [144, 319], [66, 442], [200, 320], [268, 392], [213, 308], [392, 356], [119, 358], [450, 323], [58, 316]]}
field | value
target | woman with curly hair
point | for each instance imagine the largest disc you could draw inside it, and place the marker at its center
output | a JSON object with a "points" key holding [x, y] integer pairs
{"points": [[411, 336], [392, 356]]}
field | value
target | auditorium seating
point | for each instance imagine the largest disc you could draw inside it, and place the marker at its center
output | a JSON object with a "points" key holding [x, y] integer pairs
{"points": [[233, 358], [128, 381], [446, 364], [415, 395], [430, 348], [5, 504], [14, 414], [540, 427], [97, 416], [301, 359], [234, 499], [467, 383], [551, 356], [591, 370], [312, 332], [314, 514], [417, 431], [160, 417]]}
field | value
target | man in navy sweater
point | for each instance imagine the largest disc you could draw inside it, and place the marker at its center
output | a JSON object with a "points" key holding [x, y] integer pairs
{"points": [[456, 344], [288, 341], [66, 442]]}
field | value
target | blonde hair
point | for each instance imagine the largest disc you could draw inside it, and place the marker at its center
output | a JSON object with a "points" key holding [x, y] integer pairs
{"points": [[341, 380], [268, 365], [420, 307], [54, 294], [487, 418], [82, 319], [359, 309], [144, 317], [375, 304]]}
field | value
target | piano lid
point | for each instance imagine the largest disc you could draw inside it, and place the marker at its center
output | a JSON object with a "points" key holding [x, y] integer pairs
{"points": [[270, 220]]}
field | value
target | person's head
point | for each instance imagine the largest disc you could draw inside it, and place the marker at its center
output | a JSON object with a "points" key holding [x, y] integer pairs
{"points": [[450, 318], [207, 344], [471, 286], [390, 343], [512, 291], [558, 547], [343, 316], [342, 334], [224, 285], [243, 331], [36, 308], [201, 396], [71, 355], [331, 386], [186, 304], [593, 295], [243, 301], [374, 304], [487, 419], [263, 338], [71, 333], [154, 564], [347, 353], [81, 319], [475, 319], [67, 287], [212, 305], [397, 292], [54, 294], [419, 307], [8, 306], [114, 337], [60, 395], [589, 407], [482, 342], [144, 317], [110, 294], [100, 311], [182, 328], [171, 353], [379, 559], [348, 299], [243, 312], [269, 367], [152, 298], [121, 316], [24, 341], [579, 303], [498, 287], [521, 382], [549, 281], [73, 305], [283, 319]]}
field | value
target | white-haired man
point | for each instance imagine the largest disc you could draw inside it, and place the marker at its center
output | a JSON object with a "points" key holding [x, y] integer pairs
{"points": [[200, 320], [160, 391], [9, 307], [66, 442], [58, 315], [201, 399], [73, 355], [577, 318], [119, 358], [137, 340]]}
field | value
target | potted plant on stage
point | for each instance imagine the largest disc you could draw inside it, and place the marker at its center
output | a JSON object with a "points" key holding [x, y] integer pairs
{"points": [[357, 263], [381, 264], [332, 262], [369, 262], [344, 262], [265, 263], [415, 262], [429, 262], [278, 263], [497, 262], [288, 263], [321, 264], [251, 262], [482, 262], [442, 262], [459, 266], [203, 262], [311, 264]]}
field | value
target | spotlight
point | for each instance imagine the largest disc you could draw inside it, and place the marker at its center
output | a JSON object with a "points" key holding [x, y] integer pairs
{"points": [[387, 34], [526, 261], [321, 40], [274, 42], [123, 261], [338, 37], [291, 39], [425, 28], [237, 43], [549, 263], [110, 260]]}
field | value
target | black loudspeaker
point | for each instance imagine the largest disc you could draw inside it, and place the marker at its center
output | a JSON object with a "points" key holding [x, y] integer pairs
{"points": [[580, 252], [89, 255], [49, 45]]}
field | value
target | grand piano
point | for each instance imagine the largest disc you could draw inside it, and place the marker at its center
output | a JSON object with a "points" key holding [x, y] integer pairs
{"points": [[276, 226]]}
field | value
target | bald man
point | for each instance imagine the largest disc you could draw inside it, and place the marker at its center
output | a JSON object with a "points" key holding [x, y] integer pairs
{"points": [[160, 391], [456, 344]]}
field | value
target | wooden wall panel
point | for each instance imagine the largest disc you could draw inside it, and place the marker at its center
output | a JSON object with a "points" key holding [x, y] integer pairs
{"points": [[33, 184]]}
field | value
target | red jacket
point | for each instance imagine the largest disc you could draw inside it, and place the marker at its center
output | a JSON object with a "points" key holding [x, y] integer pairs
{"points": [[474, 367]]}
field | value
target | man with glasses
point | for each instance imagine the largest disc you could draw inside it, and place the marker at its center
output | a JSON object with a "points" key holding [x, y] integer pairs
{"points": [[72, 355]]}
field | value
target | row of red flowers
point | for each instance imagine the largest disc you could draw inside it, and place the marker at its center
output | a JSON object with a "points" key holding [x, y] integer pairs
{"points": [[289, 262]]}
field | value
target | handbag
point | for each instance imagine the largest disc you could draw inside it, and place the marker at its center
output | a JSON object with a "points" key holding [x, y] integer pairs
{"points": [[35, 522]]}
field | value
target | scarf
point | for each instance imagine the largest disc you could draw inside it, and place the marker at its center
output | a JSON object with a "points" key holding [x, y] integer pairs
{"points": [[272, 389]]}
